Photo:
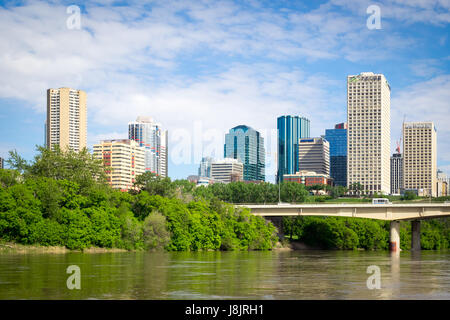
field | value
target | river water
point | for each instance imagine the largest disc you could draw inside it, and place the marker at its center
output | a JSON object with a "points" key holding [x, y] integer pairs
{"points": [[227, 275]]}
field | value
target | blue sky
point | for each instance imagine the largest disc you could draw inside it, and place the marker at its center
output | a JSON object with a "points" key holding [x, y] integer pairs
{"points": [[202, 67]]}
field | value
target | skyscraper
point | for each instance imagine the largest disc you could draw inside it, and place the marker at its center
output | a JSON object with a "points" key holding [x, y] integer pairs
{"points": [[290, 130], [314, 155], [337, 138], [396, 173], [205, 167], [420, 157], [126, 159], [368, 141], [246, 144], [66, 124], [164, 156], [149, 135], [2, 164]]}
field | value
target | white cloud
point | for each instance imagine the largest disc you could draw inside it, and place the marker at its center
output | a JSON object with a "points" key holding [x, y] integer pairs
{"points": [[425, 101], [130, 60]]}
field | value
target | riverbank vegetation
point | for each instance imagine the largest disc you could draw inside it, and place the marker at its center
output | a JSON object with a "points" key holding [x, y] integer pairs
{"points": [[63, 199]]}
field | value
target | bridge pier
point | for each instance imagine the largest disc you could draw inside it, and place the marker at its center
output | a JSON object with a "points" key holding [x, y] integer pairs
{"points": [[415, 235], [394, 236]]}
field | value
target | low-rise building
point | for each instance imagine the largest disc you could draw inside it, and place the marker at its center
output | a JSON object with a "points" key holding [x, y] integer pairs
{"points": [[308, 178]]}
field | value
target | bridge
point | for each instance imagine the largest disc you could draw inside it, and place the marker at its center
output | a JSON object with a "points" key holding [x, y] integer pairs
{"points": [[390, 212]]}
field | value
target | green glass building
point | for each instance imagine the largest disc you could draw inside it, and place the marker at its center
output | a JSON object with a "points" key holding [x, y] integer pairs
{"points": [[246, 145], [290, 130]]}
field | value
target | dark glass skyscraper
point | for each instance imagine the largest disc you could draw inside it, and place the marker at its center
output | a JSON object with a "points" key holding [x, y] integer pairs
{"points": [[290, 130], [337, 138], [247, 145]]}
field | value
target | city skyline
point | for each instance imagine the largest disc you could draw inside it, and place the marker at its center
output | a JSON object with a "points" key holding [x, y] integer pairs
{"points": [[219, 66]]}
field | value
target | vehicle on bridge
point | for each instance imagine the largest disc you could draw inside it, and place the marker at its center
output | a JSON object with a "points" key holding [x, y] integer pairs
{"points": [[380, 201]]}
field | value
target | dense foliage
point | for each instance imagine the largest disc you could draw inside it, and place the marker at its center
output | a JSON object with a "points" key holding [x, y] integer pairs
{"points": [[61, 198]]}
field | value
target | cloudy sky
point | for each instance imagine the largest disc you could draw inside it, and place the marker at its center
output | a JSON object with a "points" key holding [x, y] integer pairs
{"points": [[202, 67]]}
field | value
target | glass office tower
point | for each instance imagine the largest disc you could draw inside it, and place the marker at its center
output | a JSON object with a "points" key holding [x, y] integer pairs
{"points": [[290, 130], [337, 138], [205, 167], [247, 145]]}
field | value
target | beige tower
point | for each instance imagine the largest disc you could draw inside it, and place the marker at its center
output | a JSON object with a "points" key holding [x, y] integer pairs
{"points": [[314, 155], [420, 157], [368, 140], [66, 119]]}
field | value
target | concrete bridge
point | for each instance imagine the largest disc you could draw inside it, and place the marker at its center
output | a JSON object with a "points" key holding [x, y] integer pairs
{"points": [[391, 212]]}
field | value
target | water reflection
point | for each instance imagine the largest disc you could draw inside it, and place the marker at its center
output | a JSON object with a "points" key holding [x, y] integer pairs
{"points": [[227, 275]]}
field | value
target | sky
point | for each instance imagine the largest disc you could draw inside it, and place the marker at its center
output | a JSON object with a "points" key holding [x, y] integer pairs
{"points": [[202, 67]]}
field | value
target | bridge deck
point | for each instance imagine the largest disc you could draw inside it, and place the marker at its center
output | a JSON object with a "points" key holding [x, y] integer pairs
{"points": [[407, 211]]}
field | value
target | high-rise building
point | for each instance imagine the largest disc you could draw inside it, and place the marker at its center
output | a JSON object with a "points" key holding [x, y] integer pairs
{"points": [[66, 124], [2, 163], [337, 138], [164, 153], [125, 158], [420, 157], [246, 145], [368, 141], [396, 173], [150, 135], [314, 155], [442, 184], [227, 170], [290, 130], [205, 167]]}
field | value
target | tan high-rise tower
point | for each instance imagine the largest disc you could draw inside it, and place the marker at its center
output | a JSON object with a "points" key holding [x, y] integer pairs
{"points": [[420, 157], [368, 140], [66, 119]]}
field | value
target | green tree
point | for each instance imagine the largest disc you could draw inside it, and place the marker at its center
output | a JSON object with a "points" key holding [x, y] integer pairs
{"points": [[155, 185], [408, 195], [78, 167], [16, 162], [155, 232]]}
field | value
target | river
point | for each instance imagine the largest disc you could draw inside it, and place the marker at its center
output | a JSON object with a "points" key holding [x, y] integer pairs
{"points": [[227, 275]]}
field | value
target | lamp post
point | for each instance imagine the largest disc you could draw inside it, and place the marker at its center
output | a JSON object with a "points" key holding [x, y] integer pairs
{"points": [[279, 188]]}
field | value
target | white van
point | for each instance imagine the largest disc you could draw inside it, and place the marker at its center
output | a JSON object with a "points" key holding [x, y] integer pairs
{"points": [[380, 201]]}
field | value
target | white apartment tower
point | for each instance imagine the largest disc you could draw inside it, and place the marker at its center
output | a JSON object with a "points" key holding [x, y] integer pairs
{"points": [[368, 140], [150, 135], [420, 157], [66, 124]]}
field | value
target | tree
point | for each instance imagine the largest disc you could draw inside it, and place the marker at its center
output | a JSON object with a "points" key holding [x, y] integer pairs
{"points": [[155, 184], [79, 167], [337, 191], [16, 162], [356, 187], [155, 232], [293, 192], [408, 195]]}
